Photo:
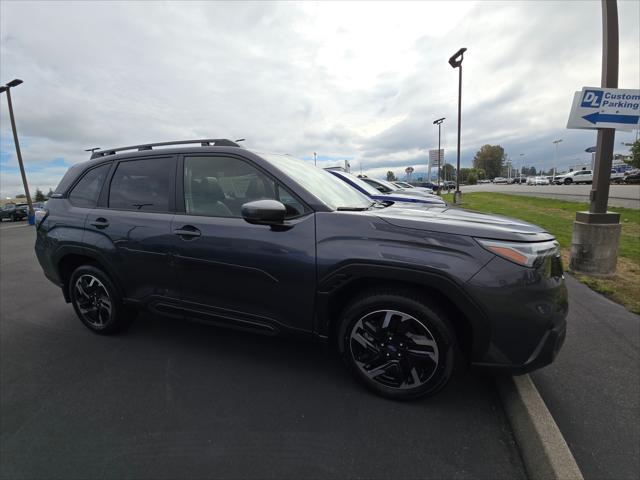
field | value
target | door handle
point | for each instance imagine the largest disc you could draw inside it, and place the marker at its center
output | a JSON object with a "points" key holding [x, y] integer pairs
{"points": [[188, 231], [100, 222]]}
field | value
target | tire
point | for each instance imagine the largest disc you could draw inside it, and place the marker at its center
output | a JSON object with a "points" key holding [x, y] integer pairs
{"points": [[568, 181], [97, 301], [397, 344], [13, 218]]}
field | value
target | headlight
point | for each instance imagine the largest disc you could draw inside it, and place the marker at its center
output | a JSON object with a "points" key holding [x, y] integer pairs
{"points": [[525, 254]]}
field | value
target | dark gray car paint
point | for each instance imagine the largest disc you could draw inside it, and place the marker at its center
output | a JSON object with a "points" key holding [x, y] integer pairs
{"points": [[284, 280]]}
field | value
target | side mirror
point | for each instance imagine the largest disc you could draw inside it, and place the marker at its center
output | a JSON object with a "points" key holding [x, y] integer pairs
{"points": [[264, 212]]}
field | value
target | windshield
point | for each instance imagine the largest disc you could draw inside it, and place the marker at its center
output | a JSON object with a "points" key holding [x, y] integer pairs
{"points": [[387, 184], [333, 192], [361, 184]]}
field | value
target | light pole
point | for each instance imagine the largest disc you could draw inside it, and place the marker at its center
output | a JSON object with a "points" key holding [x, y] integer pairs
{"points": [[456, 62], [555, 160], [439, 123], [7, 88], [315, 158], [521, 166]]}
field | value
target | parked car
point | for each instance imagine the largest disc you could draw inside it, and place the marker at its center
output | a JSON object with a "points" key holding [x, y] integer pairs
{"points": [[39, 210], [537, 181], [484, 181], [632, 176], [389, 188], [417, 201], [577, 177], [617, 176], [408, 186], [14, 211], [271, 244], [430, 185], [500, 180]]}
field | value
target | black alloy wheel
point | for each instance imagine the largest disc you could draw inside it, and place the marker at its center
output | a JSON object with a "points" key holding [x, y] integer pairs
{"points": [[97, 302], [398, 346]]}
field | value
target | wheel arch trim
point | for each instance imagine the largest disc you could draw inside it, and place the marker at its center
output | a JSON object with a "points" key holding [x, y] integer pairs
{"points": [[334, 285]]}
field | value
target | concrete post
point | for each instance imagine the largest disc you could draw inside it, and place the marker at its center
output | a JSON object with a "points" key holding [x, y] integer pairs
{"points": [[596, 233]]}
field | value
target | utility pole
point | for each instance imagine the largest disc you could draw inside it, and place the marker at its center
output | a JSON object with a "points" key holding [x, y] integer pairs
{"points": [[596, 233], [456, 62], [555, 160], [315, 158], [439, 123], [7, 88], [521, 166]]}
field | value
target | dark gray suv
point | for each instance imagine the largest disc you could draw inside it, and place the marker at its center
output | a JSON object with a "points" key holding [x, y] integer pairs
{"points": [[271, 244]]}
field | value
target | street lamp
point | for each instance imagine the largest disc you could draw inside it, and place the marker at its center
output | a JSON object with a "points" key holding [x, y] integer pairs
{"points": [[7, 88], [555, 161], [521, 166], [439, 123], [456, 62]]}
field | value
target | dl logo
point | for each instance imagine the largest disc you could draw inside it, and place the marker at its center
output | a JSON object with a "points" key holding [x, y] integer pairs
{"points": [[592, 98]]}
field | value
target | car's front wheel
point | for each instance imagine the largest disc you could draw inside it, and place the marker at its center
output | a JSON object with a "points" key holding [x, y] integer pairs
{"points": [[567, 181], [97, 301], [397, 344]]}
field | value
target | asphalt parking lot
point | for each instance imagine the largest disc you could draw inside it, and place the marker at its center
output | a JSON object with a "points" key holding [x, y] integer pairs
{"points": [[171, 399]]}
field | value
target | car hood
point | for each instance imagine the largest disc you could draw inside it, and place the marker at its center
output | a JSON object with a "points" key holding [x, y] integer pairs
{"points": [[463, 222]]}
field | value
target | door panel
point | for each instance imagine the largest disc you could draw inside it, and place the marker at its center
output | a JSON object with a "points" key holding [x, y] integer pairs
{"points": [[131, 228], [233, 272], [139, 248], [247, 275]]}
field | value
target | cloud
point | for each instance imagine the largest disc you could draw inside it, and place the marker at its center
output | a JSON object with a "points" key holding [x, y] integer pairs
{"points": [[349, 80]]}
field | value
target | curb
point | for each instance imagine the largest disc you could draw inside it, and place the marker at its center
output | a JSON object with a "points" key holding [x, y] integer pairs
{"points": [[544, 450]]}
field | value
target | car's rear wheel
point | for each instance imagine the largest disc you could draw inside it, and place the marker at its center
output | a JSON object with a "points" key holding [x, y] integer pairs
{"points": [[97, 302], [398, 345]]}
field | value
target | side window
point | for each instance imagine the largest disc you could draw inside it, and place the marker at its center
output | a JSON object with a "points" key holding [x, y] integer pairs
{"points": [[85, 193], [219, 186], [143, 185]]}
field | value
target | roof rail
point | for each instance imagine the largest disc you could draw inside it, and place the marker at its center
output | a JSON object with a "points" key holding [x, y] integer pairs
{"points": [[206, 142]]}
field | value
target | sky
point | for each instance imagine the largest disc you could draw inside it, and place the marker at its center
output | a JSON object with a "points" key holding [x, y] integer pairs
{"points": [[356, 81]]}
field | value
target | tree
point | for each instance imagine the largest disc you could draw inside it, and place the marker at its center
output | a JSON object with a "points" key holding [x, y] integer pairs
{"points": [[635, 154], [490, 158], [39, 195], [391, 177], [448, 172], [50, 193], [473, 178]]}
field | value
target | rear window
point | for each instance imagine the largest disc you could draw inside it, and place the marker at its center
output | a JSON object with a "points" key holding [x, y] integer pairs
{"points": [[86, 192], [143, 185]]}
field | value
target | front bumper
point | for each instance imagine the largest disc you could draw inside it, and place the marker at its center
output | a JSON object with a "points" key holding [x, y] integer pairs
{"points": [[543, 355], [526, 311]]}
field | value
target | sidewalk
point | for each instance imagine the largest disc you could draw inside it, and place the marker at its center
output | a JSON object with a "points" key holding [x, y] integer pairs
{"points": [[593, 387]]}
